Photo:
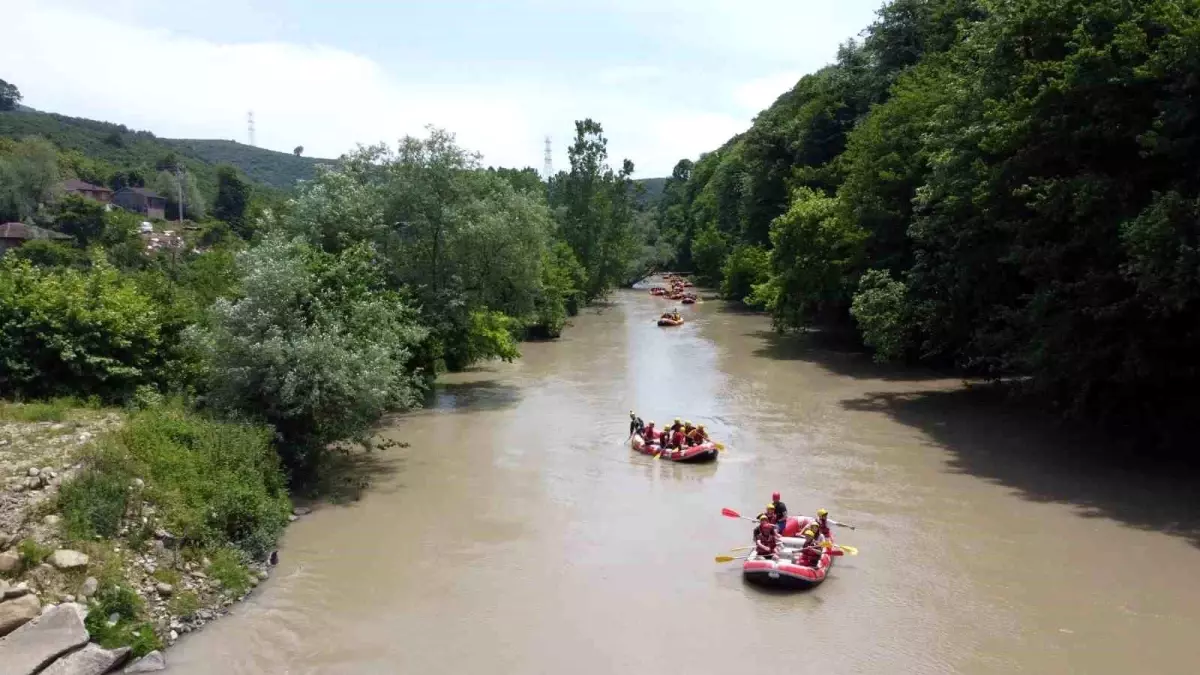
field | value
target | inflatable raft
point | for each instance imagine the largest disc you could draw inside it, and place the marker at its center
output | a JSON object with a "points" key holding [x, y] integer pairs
{"points": [[787, 572], [670, 322], [705, 452]]}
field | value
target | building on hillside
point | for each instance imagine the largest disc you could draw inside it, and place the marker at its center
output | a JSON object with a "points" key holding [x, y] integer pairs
{"points": [[13, 235], [141, 200], [93, 192]]}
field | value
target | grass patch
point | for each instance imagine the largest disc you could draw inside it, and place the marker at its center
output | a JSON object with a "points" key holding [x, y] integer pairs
{"points": [[32, 553], [129, 630], [227, 567], [166, 576], [214, 483], [94, 501], [185, 604], [53, 410]]}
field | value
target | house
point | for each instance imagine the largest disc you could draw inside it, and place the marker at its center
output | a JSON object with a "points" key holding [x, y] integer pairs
{"points": [[13, 235], [94, 192], [141, 200]]}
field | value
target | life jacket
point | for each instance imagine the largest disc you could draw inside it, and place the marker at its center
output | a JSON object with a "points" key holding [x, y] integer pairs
{"points": [[677, 438], [649, 434], [766, 540]]}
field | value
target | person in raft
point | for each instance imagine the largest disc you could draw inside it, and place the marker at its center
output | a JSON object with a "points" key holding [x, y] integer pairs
{"points": [[635, 424], [687, 430], [810, 552], [677, 439], [823, 523], [780, 511], [648, 433], [768, 515], [766, 539], [698, 436], [676, 426]]}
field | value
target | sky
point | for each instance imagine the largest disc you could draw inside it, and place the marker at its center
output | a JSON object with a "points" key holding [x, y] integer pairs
{"points": [[667, 79]]}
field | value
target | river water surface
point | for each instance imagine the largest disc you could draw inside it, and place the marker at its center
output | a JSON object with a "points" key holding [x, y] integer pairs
{"points": [[517, 533]]}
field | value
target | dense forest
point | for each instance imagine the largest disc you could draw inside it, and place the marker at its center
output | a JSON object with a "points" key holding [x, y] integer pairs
{"points": [[1008, 187]]}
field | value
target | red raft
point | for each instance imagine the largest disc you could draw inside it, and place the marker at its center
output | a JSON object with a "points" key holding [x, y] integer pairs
{"points": [[787, 572], [705, 452]]}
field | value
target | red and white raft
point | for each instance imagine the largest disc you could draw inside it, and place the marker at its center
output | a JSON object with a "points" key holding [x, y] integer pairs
{"points": [[705, 452], [787, 572]]}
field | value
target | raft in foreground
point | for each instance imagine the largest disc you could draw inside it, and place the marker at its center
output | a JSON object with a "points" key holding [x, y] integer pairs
{"points": [[705, 452], [670, 322], [786, 572]]}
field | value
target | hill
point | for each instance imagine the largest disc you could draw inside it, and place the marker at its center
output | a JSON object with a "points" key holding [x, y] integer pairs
{"points": [[653, 189], [96, 151]]}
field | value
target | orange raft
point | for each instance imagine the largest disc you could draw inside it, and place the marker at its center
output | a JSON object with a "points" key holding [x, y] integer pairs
{"points": [[663, 321], [705, 452]]}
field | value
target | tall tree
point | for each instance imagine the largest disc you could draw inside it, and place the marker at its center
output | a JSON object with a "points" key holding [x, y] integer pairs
{"points": [[10, 96], [233, 197]]}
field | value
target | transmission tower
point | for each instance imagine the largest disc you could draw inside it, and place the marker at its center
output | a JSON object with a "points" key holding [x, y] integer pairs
{"points": [[548, 166], [250, 125]]}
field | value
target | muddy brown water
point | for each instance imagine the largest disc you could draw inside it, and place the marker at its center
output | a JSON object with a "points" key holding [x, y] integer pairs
{"points": [[518, 534]]}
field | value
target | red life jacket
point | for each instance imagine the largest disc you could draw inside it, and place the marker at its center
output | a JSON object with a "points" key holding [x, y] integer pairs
{"points": [[766, 541], [650, 434], [677, 438]]}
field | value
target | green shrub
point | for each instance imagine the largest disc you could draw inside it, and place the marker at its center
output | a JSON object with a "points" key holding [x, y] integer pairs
{"points": [[53, 410], [94, 501], [214, 482], [184, 603], [128, 631], [32, 553], [66, 331], [880, 308], [228, 568], [745, 268]]}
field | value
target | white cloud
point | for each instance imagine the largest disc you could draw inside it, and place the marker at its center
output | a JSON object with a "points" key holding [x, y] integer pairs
{"points": [[76, 61]]}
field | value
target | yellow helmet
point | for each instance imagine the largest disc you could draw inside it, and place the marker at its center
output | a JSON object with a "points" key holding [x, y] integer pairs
{"points": [[650, 423], [687, 423], [762, 518], [821, 513], [700, 426], [770, 507], [809, 532], [676, 420]]}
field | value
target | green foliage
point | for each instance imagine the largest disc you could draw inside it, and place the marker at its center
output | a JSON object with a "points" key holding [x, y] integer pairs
{"points": [[814, 255], [50, 253], [66, 331], [184, 604], [594, 205], [709, 251], [94, 501], [172, 186], [228, 568], [316, 346], [32, 554], [745, 268], [29, 175], [53, 410], [129, 631], [80, 218], [10, 96], [233, 198], [880, 309], [214, 483]]}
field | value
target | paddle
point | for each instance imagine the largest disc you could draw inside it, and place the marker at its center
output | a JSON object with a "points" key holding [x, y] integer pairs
{"points": [[730, 558], [730, 513]]}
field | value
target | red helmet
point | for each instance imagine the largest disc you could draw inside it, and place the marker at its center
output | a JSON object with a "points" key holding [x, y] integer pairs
{"points": [[774, 496]]}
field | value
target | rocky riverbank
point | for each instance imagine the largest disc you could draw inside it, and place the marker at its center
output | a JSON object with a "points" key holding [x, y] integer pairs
{"points": [[144, 585]]}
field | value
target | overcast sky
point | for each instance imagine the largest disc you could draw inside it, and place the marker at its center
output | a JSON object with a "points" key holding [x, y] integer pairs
{"points": [[667, 78]]}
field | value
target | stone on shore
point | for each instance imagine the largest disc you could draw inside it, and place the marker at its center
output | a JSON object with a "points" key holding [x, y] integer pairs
{"points": [[9, 562], [89, 587], [164, 589], [150, 663], [17, 612], [32, 646], [65, 559], [91, 660]]}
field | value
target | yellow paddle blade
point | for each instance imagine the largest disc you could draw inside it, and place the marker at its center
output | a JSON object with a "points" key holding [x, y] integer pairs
{"points": [[742, 548], [725, 558], [720, 446], [850, 550], [658, 454]]}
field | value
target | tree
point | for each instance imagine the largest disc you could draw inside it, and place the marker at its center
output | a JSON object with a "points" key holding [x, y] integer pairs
{"points": [[233, 196], [168, 185], [80, 218], [10, 96], [298, 150], [29, 177], [595, 210]]}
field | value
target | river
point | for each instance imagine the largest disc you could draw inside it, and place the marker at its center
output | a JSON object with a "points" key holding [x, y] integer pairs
{"points": [[518, 534]]}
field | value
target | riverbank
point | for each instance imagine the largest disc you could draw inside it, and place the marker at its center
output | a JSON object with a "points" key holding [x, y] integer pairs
{"points": [[150, 524]]}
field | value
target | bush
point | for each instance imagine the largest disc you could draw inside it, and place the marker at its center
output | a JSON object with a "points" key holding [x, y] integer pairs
{"points": [[128, 631], [66, 331], [745, 268], [93, 502], [54, 410], [317, 347], [228, 568], [215, 483], [879, 308]]}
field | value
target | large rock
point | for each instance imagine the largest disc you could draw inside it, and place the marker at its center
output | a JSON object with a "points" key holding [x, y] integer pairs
{"points": [[37, 643], [91, 660], [8, 562], [14, 591], [17, 612], [65, 559], [150, 663], [89, 587]]}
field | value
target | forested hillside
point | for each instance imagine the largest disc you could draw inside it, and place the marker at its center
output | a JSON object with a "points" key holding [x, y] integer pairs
{"points": [[100, 152], [1007, 186]]}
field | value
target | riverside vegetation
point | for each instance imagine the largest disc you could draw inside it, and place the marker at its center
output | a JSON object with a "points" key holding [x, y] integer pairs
{"points": [[1004, 186], [209, 384]]}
